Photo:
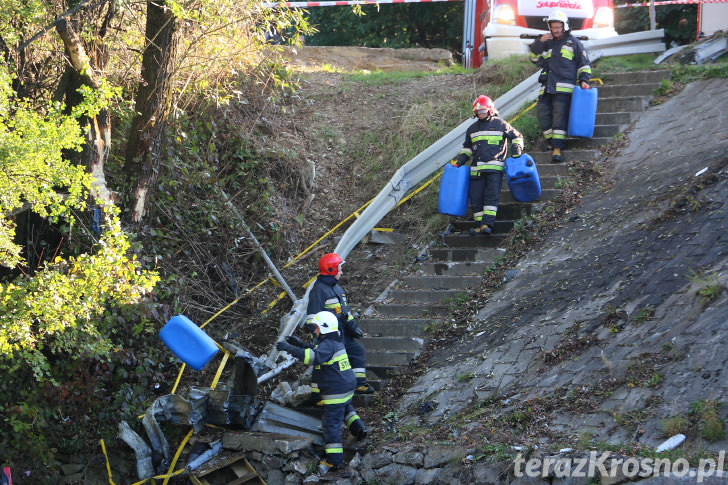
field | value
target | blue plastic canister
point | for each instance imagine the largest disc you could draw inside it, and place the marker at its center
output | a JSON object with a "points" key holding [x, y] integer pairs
{"points": [[188, 342], [454, 185], [522, 178], [583, 112]]}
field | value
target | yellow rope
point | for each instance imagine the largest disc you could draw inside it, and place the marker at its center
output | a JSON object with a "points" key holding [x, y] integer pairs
{"points": [[225, 358], [108, 465], [176, 457]]}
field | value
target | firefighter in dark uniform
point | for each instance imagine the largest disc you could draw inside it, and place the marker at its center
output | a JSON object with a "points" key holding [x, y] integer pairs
{"points": [[563, 62], [335, 380], [328, 295], [486, 143]]}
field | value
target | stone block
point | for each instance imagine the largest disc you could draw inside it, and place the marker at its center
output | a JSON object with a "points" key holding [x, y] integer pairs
{"points": [[413, 458], [377, 460], [438, 456]]}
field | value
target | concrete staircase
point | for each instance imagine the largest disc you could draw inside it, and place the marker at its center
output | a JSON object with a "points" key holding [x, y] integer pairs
{"points": [[397, 322]]}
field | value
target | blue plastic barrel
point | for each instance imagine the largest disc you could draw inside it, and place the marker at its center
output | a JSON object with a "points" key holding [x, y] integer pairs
{"points": [[454, 185], [188, 342], [522, 178], [583, 112]]}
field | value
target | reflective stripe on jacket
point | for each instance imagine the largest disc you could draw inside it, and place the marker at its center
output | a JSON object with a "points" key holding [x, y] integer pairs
{"points": [[333, 374], [565, 60], [486, 144]]}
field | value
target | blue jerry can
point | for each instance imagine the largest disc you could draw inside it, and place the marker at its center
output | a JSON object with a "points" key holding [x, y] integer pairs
{"points": [[454, 185], [188, 342], [522, 178], [583, 112]]}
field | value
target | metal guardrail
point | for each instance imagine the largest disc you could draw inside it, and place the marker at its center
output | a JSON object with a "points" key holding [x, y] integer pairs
{"points": [[446, 148]]}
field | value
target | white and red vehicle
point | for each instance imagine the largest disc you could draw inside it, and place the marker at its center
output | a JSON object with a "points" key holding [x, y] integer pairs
{"points": [[509, 26]]}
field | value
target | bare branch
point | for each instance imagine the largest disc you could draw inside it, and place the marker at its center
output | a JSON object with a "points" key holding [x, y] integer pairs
{"points": [[65, 14]]}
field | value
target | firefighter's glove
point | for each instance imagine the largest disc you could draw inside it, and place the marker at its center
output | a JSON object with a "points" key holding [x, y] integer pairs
{"points": [[297, 342], [352, 328], [516, 150], [285, 347]]}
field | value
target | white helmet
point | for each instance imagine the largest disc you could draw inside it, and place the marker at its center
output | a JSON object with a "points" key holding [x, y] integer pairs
{"points": [[326, 321], [558, 16]]}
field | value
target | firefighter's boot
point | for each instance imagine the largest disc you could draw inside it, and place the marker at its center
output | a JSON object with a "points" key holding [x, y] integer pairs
{"points": [[556, 155], [483, 230]]}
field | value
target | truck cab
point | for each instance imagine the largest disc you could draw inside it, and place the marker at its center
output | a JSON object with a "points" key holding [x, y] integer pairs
{"points": [[510, 26]]}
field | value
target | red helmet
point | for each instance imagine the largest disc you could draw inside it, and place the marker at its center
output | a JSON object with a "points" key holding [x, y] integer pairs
{"points": [[329, 263], [483, 102]]}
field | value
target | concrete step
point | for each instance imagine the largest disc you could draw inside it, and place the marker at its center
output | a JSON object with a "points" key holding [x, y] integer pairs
{"points": [[468, 241], [408, 310], [464, 254], [548, 169], [594, 142], [634, 104], [511, 211], [392, 344], [360, 401], [395, 327], [617, 90], [463, 225], [377, 384], [566, 155], [449, 268], [425, 296], [441, 282], [389, 359], [546, 194], [628, 78], [383, 372], [623, 118], [608, 130]]}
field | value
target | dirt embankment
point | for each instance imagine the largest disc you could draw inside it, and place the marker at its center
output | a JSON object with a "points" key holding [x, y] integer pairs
{"points": [[308, 58]]}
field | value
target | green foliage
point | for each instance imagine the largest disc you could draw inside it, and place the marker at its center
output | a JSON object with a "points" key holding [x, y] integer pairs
{"points": [[684, 74], [465, 376], [58, 310], [33, 170], [666, 87], [382, 77], [16, 15], [674, 425], [710, 424], [527, 123], [679, 21], [56, 316], [634, 62], [643, 314], [426, 25], [710, 287]]}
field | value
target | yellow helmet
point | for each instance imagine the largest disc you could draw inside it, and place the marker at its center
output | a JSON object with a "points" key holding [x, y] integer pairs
{"points": [[558, 16]]}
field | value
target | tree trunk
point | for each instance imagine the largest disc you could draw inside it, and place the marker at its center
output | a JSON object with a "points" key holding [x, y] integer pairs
{"points": [[98, 136], [146, 137]]}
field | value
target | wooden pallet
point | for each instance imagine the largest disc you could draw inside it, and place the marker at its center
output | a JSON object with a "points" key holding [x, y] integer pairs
{"points": [[228, 470]]}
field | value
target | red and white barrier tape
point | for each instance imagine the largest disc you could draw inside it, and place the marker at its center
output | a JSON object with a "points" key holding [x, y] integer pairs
{"points": [[670, 2], [336, 3]]}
